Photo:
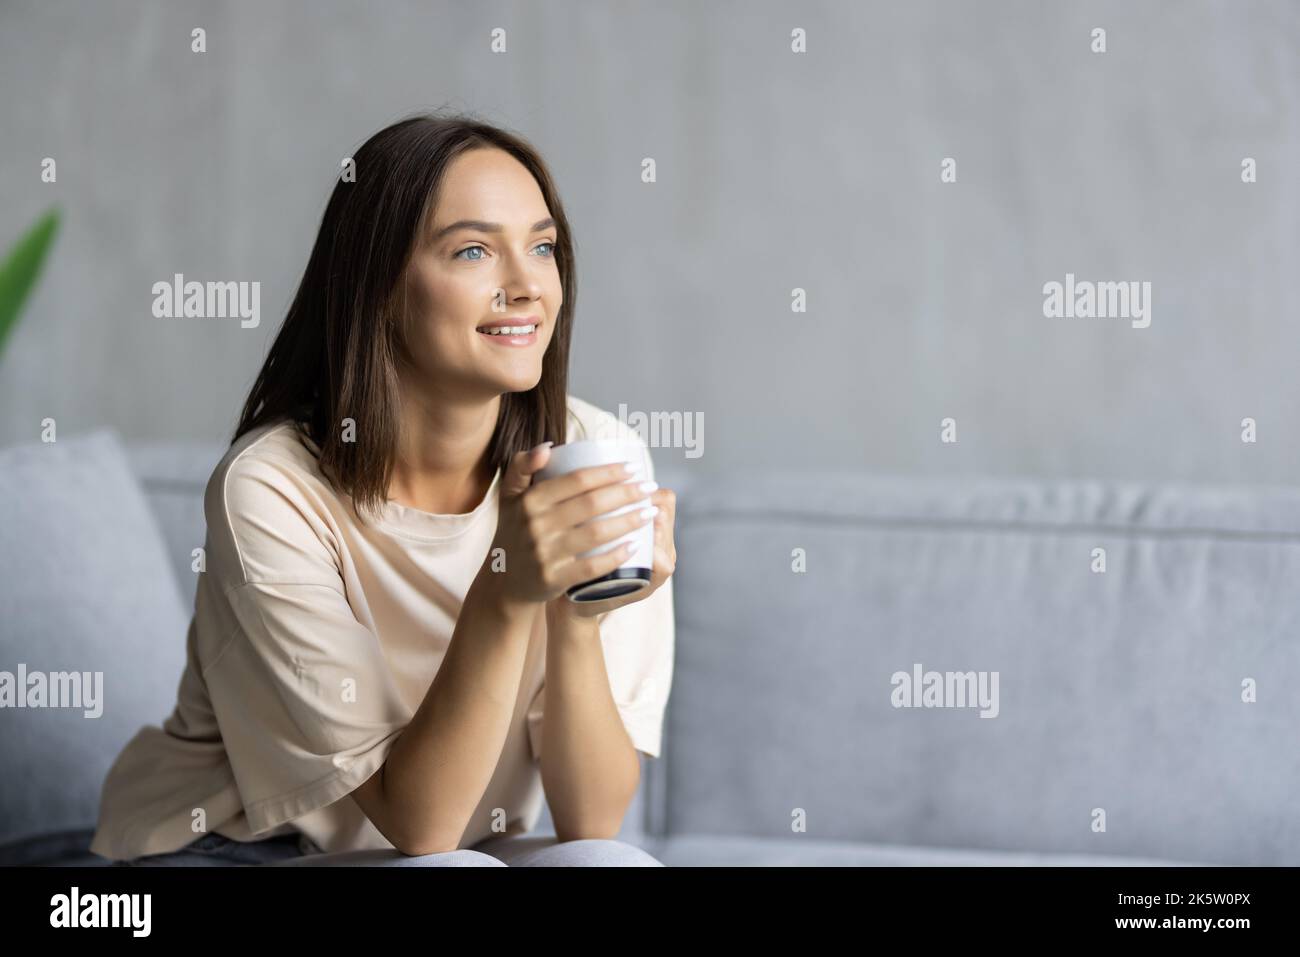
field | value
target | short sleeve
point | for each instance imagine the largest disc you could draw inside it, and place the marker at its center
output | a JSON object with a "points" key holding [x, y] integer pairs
{"points": [[306, 705], [637, 640]]}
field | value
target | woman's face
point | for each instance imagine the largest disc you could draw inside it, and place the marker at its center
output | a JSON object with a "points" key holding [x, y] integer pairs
{"points": [[457, 276]]}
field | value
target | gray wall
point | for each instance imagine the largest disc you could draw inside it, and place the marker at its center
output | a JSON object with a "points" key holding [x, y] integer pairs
{"points": [[775, 171]]}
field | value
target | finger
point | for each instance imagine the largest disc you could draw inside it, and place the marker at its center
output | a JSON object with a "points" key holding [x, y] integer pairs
{"points": [[616, 496], [595, 533], [666, 499], [578, 570], [523, 465], [667, 516], [561, 488]]}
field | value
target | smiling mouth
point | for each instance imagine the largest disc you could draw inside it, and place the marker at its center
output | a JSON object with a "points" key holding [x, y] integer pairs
{"points": [[515, 334], [519, 329]]}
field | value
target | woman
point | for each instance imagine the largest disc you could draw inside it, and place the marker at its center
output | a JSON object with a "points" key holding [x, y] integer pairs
{"points": [[383, 599]]}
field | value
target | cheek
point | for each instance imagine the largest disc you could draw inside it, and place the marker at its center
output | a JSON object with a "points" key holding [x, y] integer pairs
{"points": [[440, 310]]}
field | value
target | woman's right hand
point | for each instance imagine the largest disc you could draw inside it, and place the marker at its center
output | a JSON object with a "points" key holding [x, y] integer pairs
{"points": [[540, 526]]}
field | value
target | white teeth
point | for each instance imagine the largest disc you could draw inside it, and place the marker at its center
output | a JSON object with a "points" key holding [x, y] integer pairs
{"points": [[509, 330]]}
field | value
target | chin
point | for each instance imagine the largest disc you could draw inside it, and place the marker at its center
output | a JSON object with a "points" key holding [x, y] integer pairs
{"points": [[519, 384]]}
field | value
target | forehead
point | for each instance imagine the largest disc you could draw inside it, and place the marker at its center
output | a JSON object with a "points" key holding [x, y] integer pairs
{"points": [[492, 185]]}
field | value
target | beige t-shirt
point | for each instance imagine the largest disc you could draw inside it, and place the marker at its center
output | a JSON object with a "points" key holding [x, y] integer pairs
{"points": [[314, 641]]}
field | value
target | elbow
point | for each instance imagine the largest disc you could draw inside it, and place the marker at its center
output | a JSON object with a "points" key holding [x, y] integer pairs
{"points": [[598, 832], [604, 823], [592, 826], [418, 844], [411, 831]]}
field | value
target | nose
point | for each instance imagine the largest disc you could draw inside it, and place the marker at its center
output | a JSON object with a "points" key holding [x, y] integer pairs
{"points": [[517, 279]]}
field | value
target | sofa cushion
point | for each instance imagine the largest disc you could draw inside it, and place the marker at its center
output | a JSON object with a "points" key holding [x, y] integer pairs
{"points": [[84, 588], [174, 476]]}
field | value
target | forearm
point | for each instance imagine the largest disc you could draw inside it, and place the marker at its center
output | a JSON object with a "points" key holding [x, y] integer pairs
{"points": [[590, 769], [441, 764]]}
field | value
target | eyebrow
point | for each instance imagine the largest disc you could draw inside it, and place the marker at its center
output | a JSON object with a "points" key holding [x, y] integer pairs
{"points": [[482, 226]]}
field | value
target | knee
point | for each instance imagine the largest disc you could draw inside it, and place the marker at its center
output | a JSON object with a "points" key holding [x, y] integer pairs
{"points": [[591, 852]]}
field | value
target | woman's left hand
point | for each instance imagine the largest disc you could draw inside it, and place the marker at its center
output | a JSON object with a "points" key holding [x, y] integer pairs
{"points": [[665, 560]]}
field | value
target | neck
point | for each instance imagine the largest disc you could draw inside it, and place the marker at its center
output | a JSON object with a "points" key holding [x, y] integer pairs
{"points": [[442, 463]]}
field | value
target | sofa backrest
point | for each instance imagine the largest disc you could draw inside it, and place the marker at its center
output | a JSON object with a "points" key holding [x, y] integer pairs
{"points": [[173, 476], [1147, 710]]}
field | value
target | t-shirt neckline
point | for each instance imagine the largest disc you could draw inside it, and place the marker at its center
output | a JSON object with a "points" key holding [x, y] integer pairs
{"points": [[409, 522], [415, 523]]}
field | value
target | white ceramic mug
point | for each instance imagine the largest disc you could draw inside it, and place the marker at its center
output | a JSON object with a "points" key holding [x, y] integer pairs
{"points": [[634, 573]]}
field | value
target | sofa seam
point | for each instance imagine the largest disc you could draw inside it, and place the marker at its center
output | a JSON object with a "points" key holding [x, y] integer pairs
{"points": [[1008, 527]]}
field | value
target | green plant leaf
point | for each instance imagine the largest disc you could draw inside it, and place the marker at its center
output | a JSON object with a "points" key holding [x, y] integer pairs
{"points": [[21, 269]]}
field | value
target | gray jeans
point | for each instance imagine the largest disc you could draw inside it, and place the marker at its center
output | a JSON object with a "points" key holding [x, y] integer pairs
{"points": [[296, 850]]}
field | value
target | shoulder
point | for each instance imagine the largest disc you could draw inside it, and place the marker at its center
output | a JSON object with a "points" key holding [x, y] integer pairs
{"points": [[272, 455], [265, 507], [589, 421]]}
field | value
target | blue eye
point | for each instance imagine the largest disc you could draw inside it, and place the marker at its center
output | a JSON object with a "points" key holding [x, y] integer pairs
{"points": [[475, 259]]}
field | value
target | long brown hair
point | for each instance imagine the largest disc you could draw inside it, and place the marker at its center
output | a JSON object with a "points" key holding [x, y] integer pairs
{"points": [[336, 355]]}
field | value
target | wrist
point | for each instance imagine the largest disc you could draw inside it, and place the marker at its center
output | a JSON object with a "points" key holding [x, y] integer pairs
{"points": [[564, 619], [489, 588]]}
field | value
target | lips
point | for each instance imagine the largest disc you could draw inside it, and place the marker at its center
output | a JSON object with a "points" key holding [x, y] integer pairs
{"points": [[522, 321], [509, 340]]}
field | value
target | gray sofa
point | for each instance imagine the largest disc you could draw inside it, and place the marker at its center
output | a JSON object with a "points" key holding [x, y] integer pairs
{"points": [[1121, 734]]}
